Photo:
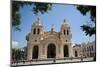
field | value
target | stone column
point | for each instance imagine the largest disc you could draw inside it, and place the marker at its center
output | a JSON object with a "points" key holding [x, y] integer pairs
{"points": [[61, 53], [29, 53], [71, 51], [42, 52], [39, 51]]}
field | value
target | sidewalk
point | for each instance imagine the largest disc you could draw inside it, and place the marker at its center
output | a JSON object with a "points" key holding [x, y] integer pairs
{"points": [[52, 62]]}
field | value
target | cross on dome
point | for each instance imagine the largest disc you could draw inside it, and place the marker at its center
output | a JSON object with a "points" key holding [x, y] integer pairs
{"points": [[38, 22], [52, 28], [65, 22]]}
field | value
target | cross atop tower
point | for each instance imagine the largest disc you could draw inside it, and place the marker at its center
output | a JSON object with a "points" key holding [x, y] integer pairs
{"points": [[38, 18], [52, 28], [38, 21], [65, 21]]}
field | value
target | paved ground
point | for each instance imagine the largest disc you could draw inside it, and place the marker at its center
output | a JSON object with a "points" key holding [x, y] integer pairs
{"points": [[52, 61]]}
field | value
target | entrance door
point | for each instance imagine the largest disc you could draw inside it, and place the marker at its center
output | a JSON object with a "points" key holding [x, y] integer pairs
{"points": [[51, 51], [75, 53], [66, 51], [35, 52]]}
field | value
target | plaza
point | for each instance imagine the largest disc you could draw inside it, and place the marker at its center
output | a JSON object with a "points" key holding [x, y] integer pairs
{"points": [[53, 61]]}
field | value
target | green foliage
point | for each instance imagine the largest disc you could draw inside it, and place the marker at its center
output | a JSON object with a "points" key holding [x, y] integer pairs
{"points": [[88, 29], [15, 15], [15, 53], [27, 37], [91, 9], [42, 8], [37, 8]]}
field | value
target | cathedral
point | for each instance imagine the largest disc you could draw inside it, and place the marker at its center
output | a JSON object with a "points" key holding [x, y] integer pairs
{"points": [[51, 44]]}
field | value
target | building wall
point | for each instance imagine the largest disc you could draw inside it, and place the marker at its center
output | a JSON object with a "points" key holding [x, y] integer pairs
{"points": [[77, 48], [89, 50], [85, 49], [42, 40]]}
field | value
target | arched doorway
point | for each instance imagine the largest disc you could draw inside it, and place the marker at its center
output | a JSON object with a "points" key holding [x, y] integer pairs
{"points": [[66, 51], [51, 51], [35, 52], [75, 53]]}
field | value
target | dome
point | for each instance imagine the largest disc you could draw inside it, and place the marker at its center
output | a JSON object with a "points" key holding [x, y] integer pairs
{"points": [[65, 22], [37, 22]]}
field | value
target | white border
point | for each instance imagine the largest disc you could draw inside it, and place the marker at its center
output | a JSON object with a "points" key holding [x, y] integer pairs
{"points": [[91, 2], [5, 32]]}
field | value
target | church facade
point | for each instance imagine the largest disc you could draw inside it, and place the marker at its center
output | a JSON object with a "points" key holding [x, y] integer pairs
{"points": [[51, 44]]}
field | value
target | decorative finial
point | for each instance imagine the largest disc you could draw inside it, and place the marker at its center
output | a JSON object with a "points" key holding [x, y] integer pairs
{"points": [[38, 18], [52, 25], [52, 28], [64, 20], [38, 21]]}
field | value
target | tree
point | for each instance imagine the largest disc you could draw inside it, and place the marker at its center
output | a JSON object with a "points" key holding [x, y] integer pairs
{"points": [[37, 8], [90, 28], [27, 37], [16, 54]]}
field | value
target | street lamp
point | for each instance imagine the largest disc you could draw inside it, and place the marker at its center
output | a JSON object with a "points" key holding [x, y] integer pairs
{"points": [[22, 54]]}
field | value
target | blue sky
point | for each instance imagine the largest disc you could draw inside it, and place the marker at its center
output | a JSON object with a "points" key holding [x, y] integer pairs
{"points": [[56, 17]]}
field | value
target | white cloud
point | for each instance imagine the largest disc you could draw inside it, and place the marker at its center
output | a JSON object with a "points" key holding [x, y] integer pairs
{"points": [[15, 43]]}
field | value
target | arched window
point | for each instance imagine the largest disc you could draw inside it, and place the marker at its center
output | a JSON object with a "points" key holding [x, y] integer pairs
{"points": [[64, 32], [34, 31], [66, 51], [91, 48], [67, 32], [87, 49], [76, 54], [38, 31], [35, 52]]}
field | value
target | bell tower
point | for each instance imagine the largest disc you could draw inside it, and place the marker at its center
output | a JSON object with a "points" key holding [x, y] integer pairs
{"points": [[37, 31], [37, 27], [65, 31], [35, 37], [65, 35]]}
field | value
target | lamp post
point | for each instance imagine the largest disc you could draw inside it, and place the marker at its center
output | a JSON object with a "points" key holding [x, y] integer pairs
{"points": [[81, 54], [22, 54]]}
